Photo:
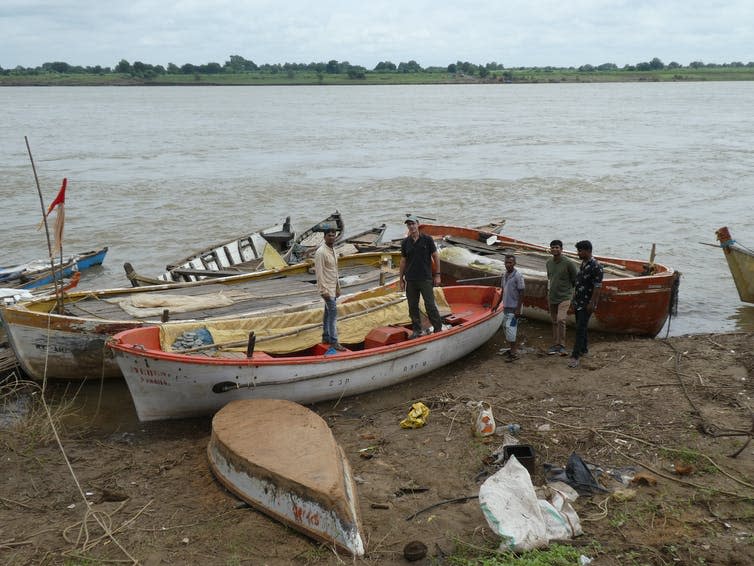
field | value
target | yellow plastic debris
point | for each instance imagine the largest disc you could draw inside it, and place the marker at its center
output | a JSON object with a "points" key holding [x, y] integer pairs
{"points": [[417, 416], [272, 259]]}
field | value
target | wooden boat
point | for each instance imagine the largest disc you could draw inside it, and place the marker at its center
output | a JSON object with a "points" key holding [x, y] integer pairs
{"points": [[493, 227], [282, 357], [12, 295], [362, 242], [282, 459], [38, 273], [636, 298], [71, 345], [740, 262], [365, 241], [254, 251], [306, 243]]}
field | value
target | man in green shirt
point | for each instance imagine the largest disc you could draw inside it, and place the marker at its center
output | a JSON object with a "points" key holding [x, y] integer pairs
{"points": [[561, 278]]}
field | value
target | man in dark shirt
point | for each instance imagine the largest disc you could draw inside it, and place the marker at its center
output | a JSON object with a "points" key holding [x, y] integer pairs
{"points": [[585, 298], [419, 272]]}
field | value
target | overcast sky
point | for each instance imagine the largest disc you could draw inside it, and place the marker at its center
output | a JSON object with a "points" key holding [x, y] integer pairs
{"points": [[432, 32]]}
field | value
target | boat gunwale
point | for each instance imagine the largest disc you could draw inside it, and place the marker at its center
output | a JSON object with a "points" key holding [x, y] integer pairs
{"points": [[304, 266], [405, 347], [628, 263]]}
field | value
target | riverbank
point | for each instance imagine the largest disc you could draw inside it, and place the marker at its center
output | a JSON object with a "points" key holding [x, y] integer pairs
{"points": [[677, 409], [299, 78]]}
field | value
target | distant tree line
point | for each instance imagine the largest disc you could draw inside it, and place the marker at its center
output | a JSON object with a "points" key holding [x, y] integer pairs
{"points": [[657, 65], [238, 64]]}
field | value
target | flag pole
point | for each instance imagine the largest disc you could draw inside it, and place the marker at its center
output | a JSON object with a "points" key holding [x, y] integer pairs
{"points": [[58, 294]]}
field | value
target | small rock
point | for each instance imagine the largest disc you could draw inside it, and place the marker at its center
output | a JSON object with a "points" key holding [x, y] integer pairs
{"points": [[415, 550]]}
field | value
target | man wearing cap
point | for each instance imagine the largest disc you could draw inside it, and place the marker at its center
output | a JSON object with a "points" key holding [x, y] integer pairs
{"points": [[585, 298], [418, 258], [326, 270]]}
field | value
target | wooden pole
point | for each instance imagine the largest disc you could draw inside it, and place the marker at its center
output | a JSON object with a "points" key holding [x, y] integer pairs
{"points": [[58, 293]]}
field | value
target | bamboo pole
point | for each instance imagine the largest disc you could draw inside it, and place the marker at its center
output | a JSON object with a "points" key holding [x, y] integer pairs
{"points": [[58, 292]]}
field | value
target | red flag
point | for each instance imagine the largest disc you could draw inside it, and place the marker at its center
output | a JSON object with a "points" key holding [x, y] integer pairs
{"points": [[60, 199], [59, 202]]}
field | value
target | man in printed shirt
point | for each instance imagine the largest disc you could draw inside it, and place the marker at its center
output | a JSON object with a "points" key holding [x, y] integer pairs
{"points": [[585, 298], [326, 270]]}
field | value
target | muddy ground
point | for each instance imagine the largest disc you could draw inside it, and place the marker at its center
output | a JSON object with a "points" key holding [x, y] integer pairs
{"points": [[659, 406]]}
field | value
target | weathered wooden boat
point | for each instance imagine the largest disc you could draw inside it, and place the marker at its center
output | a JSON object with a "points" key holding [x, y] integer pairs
{"points": [[282, 459], [39, 273], [365, 241], [281, 357], [362, 242], [11, 295], [740, 262], [637, 296], [264, 249], [306, 243], [70, 345]]}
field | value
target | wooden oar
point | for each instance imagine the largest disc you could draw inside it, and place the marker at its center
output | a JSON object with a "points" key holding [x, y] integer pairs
{"points": [[487, 278]]}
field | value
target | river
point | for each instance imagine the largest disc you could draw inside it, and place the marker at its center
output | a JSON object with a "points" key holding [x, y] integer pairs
{"points": [[157, 172]]}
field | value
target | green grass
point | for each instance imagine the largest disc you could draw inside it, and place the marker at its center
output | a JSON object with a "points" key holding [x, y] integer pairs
{"points": [[553, 555]]}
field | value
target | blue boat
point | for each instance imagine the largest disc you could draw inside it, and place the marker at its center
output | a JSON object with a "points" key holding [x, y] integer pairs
{"points": [[37, 273]]}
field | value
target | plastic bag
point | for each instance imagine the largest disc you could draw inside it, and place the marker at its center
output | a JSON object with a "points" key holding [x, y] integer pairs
{"points": [[524, 522], [510, 505], [417, 416]]}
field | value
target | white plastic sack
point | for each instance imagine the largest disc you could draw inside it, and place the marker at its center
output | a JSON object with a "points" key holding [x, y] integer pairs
{"points": [[561, 520], [510, 505], [512, 510]]}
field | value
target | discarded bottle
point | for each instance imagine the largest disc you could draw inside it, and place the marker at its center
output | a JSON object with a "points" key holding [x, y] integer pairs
{"points": [[484, 421], [513, 428]]}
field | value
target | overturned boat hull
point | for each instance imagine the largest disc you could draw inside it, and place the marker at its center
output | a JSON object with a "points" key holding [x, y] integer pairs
{"points": [[283, 460]]}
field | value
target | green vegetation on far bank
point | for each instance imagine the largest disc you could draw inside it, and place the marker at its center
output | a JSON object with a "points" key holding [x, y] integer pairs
{"points": [[239, 71]]}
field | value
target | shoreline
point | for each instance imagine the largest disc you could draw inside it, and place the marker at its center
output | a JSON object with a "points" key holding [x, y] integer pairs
{"points": [[648, 405]]}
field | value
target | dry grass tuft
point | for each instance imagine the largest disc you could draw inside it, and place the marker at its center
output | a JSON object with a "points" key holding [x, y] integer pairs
{"points": [[26, 421]]}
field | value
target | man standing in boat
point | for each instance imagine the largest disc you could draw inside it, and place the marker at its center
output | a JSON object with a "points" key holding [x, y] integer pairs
{"points": [[585, 298], [561, 279], [512, 283], [419, 272], [326, 270]]}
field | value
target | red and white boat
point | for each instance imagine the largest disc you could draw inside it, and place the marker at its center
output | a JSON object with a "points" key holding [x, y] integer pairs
{"points": [[637, 296], [285, 359]]}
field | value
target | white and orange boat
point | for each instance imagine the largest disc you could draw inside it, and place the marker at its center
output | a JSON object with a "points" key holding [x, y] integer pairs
{"points": [[281, 357]]}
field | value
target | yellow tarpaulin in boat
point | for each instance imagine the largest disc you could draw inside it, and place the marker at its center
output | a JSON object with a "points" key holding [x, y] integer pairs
{"points": [[292, 332]]}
